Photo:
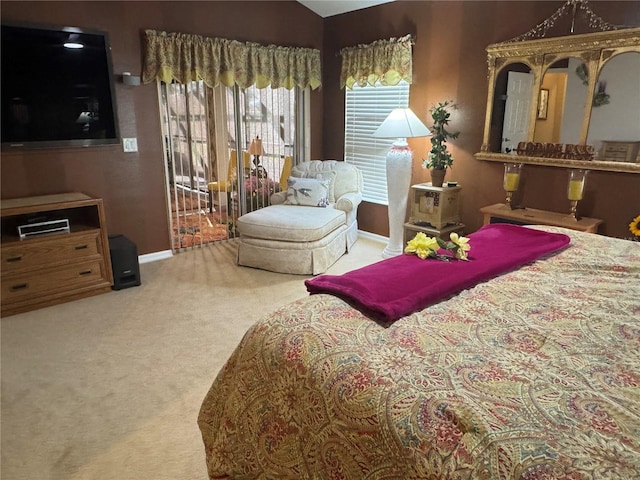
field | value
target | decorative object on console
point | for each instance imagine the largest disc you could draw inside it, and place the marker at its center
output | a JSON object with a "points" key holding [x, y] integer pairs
{"points": [[511, 180], [439, 158], [401, 123], [556, 150], [575, 189]]}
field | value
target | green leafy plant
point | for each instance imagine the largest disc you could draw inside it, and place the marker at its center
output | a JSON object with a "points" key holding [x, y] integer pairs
{"points": [[439, 157]]}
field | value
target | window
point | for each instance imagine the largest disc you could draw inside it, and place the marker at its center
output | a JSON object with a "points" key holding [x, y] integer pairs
{"points": [[365, 109], [271, 115], [201, 128]]}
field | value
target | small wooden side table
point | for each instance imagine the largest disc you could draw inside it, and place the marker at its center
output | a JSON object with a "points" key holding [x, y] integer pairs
{"points": [[410, 230], [437, 206], [531, 216]]}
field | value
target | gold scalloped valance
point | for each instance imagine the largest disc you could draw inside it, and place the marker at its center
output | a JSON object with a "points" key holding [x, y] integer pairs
{"points": [[386, 61], [185, 58]]}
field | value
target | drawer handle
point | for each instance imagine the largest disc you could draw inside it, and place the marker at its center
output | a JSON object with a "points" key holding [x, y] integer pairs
{"points": [[85, 272], [20, 286], [82, 247], [14, 259]]}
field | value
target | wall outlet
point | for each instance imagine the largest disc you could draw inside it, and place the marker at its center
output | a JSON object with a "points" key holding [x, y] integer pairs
{"points": [[130, 144]]}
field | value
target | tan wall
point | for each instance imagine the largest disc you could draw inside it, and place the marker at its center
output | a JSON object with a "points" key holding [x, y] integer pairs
{"points": [[132, 184], [548, 129], [449, 61]]}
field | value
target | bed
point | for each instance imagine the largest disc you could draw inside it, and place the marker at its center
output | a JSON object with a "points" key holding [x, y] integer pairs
{"points": [[533, 374]]}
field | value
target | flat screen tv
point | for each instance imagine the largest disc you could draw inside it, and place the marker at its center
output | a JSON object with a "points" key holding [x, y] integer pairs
{"points": [[57, 88]]}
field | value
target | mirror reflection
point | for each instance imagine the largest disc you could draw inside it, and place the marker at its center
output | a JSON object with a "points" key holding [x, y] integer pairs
{"points": [[615, 114], [570, 101], [511, 107], [561, 102]]}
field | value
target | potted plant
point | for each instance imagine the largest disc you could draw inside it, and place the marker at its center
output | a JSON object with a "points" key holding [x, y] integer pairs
{"points": [[439, 158]]}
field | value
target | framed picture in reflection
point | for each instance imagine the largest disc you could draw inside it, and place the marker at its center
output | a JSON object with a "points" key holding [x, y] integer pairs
{"points": [[543, 104]]}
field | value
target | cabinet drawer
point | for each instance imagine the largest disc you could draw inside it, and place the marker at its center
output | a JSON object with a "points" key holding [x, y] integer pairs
{"points": [[620, 151], [38, 253], [52, 280], [615, 156], [617, 148]]}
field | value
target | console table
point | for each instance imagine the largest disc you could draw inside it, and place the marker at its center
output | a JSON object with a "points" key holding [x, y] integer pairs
{"points": [[48, 268], [531, 216]]}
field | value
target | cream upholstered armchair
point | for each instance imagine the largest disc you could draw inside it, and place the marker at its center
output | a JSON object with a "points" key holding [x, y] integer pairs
{"points": [[309, 225]]}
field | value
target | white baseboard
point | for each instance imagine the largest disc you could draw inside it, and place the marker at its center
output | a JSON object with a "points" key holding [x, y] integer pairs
{"points": [[164, 254], [373, 236], [152, 257]]}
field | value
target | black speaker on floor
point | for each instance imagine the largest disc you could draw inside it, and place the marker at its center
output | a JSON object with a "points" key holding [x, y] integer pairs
{"points": [[124, 262]]}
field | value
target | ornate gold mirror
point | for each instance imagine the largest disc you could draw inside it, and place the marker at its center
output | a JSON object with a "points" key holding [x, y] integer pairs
{"points": [[570, 101]]}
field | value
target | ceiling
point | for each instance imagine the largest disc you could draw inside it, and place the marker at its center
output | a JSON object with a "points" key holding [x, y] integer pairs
{"points": [[328, 8]]}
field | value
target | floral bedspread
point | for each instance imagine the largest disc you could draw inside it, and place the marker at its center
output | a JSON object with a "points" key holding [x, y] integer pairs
{"points": [[532, 375]]}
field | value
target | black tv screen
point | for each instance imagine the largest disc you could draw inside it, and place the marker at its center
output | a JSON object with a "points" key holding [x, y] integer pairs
{"points": [[57, 88]]}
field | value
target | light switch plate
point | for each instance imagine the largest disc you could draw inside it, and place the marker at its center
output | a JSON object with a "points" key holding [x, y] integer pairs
{"points": [[130, 144]]}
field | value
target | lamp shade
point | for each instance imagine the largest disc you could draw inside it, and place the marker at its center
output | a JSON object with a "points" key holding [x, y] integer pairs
{"points": [[401, 123], [256, 147]]}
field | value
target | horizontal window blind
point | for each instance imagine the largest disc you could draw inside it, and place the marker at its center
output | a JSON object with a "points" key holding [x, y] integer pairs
{"points": [[365, 109]]}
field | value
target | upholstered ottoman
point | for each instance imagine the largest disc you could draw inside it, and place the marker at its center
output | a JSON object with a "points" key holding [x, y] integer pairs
{"points": [[269, 241]]}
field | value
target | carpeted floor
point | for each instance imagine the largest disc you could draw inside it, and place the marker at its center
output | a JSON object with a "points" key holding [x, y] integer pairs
{"points": [[109, 387]]}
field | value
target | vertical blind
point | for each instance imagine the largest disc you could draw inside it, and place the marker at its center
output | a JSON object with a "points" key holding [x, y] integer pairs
{"points": [[365, 109], [205, 130]]}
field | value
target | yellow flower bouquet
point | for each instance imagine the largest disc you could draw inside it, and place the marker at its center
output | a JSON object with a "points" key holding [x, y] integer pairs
{"points": [[427, 247]]}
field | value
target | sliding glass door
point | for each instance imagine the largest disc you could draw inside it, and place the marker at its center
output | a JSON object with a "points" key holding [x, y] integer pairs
{"points": [[226, 151]]}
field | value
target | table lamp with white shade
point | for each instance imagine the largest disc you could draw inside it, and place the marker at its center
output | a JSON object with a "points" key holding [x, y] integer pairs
{"points": [[401, 123]]}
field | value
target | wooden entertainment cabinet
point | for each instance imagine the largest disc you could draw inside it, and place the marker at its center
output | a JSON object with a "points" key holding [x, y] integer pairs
{"points": [[50, 268]]}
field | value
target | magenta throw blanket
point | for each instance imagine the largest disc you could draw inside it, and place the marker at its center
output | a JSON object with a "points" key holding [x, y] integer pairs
{"points": [[398, 286]]}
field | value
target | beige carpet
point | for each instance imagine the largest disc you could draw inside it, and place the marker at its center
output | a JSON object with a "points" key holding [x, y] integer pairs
{"points": [[109, 387]]}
